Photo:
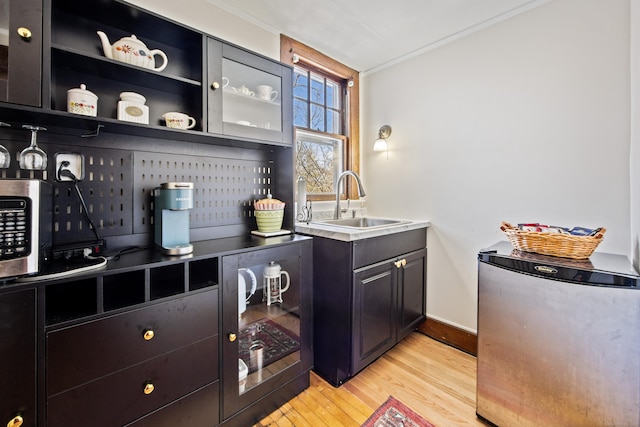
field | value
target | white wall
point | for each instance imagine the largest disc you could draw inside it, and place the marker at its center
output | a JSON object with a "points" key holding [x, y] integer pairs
{"points": [[210, 19], [527, 120], [634, 158]]}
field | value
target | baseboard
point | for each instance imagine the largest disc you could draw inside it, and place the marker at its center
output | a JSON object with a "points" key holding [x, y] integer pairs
{"points": [[451, 335]]}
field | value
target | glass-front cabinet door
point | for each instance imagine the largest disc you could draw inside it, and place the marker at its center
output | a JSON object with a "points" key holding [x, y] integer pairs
{"points": [[265, 343], [21, 51], [249, 96]]}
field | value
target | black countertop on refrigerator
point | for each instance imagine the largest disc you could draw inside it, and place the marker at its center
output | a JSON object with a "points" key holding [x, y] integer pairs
{"points": [[600, 269]]}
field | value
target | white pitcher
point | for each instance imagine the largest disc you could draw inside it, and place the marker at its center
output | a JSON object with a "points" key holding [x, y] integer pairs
{"points": [[243, 298]]}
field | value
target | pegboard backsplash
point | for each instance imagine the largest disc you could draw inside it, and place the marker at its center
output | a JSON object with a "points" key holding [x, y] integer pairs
{"points": [[224, 189], [118, 187]]}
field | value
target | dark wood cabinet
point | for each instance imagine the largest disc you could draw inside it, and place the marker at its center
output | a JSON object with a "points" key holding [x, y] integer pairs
{"points": [[18, 357], [21, 56], [192, 82], [98, 356], [125, 395], [231, 163], [120, 367], [412, 292], [374, 313], [235, 106], [388, 303], [80, 347], [368, 295], [271, 341], [77, 57], [127, 339]]}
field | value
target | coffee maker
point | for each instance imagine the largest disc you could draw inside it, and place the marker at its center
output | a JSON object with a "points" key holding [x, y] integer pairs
{"points": [[172, 201]]}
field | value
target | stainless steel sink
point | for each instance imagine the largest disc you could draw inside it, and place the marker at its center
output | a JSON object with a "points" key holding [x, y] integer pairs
{"points": [[362, 222]]}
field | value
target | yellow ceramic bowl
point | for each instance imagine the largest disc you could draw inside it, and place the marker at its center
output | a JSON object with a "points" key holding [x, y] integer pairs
{"points": [[269, 221]]}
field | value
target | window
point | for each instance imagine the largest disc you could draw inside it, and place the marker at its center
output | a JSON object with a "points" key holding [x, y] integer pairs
{"points": [[319, 159], [325, 109], [317, 101]]}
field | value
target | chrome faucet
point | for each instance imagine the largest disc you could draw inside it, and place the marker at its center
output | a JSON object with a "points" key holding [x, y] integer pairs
{"points": [[361, 193]]}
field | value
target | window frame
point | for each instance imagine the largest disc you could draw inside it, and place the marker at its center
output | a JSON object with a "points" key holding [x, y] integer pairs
{"points": [[317, 61]]}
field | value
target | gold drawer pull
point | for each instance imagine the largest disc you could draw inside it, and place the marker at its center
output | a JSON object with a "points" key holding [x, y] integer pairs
{"points": [[148, 388], [148, 334], [400, 263], [15, 421], [232, 337]]}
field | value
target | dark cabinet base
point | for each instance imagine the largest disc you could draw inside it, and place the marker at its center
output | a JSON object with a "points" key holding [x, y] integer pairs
{"points": [[269, 403], [153, 363], [18, 357], [368, 295]]}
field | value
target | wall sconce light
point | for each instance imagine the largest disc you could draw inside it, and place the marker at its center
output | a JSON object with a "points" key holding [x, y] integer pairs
{"points": [[381, 142]]}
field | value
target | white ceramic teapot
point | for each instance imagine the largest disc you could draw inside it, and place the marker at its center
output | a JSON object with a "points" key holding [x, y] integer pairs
{"points": [[243, 90], [132, 51]]}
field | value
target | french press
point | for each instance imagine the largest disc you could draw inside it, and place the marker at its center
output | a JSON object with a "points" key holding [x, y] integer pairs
{"points": [[273, 288]]}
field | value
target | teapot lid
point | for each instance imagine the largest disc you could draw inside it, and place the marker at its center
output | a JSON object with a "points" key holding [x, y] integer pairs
{"points": [[131, 39]]}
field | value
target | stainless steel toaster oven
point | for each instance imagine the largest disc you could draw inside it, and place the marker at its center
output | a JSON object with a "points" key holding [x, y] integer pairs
{"points": [[25, 226]]}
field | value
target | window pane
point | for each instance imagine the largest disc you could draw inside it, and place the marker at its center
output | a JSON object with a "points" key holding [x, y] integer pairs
{"points": [[317, 89], [300, 84], [319, 161], [300, 113], [317, 118], [333, 122], [333, 95]]}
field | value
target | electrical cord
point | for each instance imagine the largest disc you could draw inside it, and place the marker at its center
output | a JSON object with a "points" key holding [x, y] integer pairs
{"points": [[99, 262], [127, 250], [68, 174]]}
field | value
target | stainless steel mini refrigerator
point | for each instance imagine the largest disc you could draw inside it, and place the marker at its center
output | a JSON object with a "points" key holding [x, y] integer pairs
{"points": [[558, 340]]}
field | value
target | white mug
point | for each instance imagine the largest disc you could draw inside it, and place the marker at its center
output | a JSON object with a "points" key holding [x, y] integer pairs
{"points": [[266, 92], [179, 120]]}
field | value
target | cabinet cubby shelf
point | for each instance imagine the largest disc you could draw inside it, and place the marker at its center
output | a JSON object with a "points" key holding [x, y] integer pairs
{"points": [[82, 298], [104, 66]]}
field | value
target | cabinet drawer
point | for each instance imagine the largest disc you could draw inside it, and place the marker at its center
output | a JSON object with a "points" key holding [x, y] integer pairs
{"points": [[120, 398], [81, 353], [199, 409], [375, 249]]}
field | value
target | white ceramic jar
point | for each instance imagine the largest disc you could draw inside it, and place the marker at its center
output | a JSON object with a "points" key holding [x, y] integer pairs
{"points": [[82, 101], [131, 108]]}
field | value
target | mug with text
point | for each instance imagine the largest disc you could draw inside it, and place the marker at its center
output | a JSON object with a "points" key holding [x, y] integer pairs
{"points": [[266, 92], [179, 120]]}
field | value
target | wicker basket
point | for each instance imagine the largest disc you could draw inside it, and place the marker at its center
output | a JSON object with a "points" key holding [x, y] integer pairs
{"points": [[554, 244]]}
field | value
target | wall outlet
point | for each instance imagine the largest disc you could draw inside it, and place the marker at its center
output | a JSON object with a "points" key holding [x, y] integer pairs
{"points": [[76, 166]]}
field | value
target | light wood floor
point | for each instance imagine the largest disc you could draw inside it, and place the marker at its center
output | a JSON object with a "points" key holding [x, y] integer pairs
{"points": [[435, 380]]}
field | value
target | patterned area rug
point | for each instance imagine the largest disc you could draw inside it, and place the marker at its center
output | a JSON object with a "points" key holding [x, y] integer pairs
{"points": [[276, 342], [394, 413]]}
